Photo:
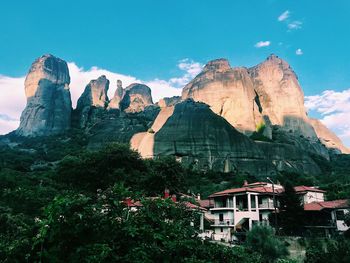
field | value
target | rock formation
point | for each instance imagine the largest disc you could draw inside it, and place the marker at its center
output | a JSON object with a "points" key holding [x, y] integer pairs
{"points": [[281, 97], [137, 97], [94, 96], [167, 102], [195, 134], [49, 106], [328, 138], [211, 126], [144, 142], [118, 96], [229, 92]]}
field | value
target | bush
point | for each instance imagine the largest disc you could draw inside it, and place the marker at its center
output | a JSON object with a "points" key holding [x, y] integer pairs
{"points": [[262, 239]]}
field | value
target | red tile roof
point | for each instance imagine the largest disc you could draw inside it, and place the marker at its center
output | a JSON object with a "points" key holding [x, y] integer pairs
{"points": [[303, 188], [193, 206], [318, 206], [133, 203], [261, 189], [205, 203]]}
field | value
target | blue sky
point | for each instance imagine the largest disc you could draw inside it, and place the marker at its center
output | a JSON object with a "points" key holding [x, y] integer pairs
{"points": [[147, 39]]}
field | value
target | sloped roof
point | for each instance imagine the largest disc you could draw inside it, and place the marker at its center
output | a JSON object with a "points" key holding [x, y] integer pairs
{"points": [[204, 203], [261, 189], [193, 206], [335, 204], [303, 188]]}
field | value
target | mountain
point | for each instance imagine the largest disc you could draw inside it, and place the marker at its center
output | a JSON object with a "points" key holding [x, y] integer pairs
{"points": [[251, 120]]}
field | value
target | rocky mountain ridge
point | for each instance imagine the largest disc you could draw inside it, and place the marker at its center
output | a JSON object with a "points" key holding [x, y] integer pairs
{"points": [[227, 119]]}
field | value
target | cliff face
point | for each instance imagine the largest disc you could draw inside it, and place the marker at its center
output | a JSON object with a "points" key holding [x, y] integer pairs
{"points": [[229, 92], [137, 97], [118, 96], [194, 133], [93, 99], [328, 138], [281, 97], [49, 106], [266, 95]]}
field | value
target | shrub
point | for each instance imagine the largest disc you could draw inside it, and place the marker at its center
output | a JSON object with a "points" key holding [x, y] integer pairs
{"points": [[262, 240]]}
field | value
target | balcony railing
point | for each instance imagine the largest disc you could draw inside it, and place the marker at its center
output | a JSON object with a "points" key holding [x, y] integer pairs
{"points": [[224, 222], [267, 205], [222, 206]]}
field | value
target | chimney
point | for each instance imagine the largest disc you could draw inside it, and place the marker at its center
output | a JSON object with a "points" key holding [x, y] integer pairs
{"points": [[166, 193], [245, 183], [198, 196], [173, 197]]}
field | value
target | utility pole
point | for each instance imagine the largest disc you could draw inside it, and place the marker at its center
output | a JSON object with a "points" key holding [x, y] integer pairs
{"points": [[274, 202]]}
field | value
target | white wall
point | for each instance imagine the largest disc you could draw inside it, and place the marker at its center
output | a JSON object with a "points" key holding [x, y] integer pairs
{"points": [[310, 197]]}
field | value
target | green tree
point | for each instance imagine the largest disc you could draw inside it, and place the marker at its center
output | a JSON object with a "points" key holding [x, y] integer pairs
{"points": [[262, 239], [328, 250], [291, 216], [94, 170]]}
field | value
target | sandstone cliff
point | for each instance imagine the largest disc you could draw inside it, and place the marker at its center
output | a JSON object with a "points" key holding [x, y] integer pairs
{"points": [[281, 97], [137, 97], [229, 92], [49, 106], [328, 138], [198, 137], [94, 97], [118, 96]]}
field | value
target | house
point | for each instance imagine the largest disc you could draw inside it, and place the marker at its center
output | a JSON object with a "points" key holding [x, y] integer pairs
{"points": [[236, 210], [327, 216], [310, 194]]}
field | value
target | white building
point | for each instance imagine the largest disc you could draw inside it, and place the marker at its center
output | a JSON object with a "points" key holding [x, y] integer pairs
{"points": [[328, 216], [236, 210], [310, 194]]}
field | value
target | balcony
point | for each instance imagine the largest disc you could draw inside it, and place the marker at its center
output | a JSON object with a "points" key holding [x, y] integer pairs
{"points": [[268, 205], [225, 222]]}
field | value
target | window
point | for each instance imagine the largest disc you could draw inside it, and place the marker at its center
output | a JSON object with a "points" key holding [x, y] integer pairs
{"points": [[252, 202], [242, 202], [221, 229], [221, 218], [340, 215]]}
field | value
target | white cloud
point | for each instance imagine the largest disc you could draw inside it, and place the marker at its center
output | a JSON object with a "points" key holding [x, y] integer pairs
{"points": [[299, 52], [284, 16], [262, 44], [295, 25], [191, 68], [334, 107], [13, 101]]}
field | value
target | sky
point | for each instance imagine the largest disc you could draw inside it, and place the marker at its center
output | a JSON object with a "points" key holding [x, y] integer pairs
{"points": [[165, 43]]}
